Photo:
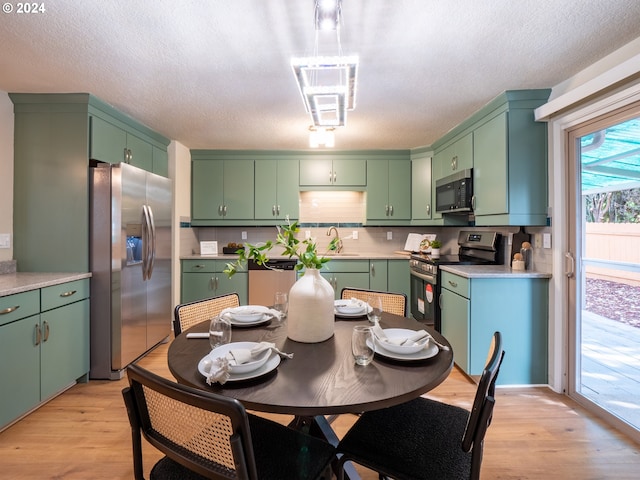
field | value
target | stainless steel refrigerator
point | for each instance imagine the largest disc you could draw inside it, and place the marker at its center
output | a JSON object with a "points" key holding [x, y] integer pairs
{"points": [[130, 265]]}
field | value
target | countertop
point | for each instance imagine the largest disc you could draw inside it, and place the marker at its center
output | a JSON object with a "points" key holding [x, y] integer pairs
{"points": [[396, 255], [491, 271], [11, 283]]}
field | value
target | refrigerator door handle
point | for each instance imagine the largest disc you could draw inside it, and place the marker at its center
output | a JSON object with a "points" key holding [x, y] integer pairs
{"points": [[152, 247], [145, 243]]}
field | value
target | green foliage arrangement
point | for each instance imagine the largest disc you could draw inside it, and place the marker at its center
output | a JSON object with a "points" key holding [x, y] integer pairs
{"points": [[305, 251]]}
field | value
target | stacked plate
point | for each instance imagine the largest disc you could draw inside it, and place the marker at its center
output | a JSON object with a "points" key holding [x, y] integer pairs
{"points": [[248, 315], [350, 308], [392, 346], [259, 365]]}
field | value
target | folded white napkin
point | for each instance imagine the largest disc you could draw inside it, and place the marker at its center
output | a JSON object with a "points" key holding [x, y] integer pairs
{"points": [[219, 368], [409, 339], [269, 311], [198, 335], [357, 302]]}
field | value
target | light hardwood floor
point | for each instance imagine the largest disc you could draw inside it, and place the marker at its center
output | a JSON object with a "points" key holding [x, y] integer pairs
{"points": [[536, 434]]}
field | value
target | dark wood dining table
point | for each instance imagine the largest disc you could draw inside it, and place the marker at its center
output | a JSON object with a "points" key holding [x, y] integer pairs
{"points": [[322, 379]]}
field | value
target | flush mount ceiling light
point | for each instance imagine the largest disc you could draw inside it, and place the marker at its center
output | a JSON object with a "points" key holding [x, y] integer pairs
{"points": [[327, 83], [321, 136]]}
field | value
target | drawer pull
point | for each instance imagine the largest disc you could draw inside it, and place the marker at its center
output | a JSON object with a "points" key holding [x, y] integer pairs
{"points": [[453, 284], [9, 310], [68, 294]]}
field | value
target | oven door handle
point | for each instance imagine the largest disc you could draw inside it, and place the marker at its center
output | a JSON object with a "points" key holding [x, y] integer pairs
{"points": [[427, 278]]}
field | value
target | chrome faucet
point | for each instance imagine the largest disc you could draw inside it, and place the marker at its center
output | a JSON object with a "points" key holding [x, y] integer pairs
{"points": [[335, 244]]}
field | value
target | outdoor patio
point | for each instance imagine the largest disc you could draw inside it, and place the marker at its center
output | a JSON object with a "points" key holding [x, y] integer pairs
{"points": [[611, 365]]}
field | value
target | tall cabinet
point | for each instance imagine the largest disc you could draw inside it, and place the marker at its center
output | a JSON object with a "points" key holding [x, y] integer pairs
{"points": [[55, 136]]}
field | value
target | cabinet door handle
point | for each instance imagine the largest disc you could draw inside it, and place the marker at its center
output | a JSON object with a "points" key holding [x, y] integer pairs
{"points": [[9, 310], [278, 209], [440, 301], [38, 333], [330, 176], [428, 209], [46, 331], [334, 177], [125, 155], [372, 270], [273, 210], [453, 284], [454, 163], [391, 210], [473, 202], [386, 210], [212, 283], [224, 211], [220, 210], [68, 294], [198, 266]]}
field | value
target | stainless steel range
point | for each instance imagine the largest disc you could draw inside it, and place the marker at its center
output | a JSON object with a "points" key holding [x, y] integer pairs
{"points": [[474, 248]]}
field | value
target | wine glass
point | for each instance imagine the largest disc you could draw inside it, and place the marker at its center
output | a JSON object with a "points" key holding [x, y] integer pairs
{"points": [[219, 331], [374, 311]]}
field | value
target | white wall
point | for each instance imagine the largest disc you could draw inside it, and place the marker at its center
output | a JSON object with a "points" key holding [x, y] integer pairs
{"points": [[180, 172], [6, 172]]}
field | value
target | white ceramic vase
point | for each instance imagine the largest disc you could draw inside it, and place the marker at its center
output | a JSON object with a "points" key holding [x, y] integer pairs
{"points": [[311, 316], [435, 253]]}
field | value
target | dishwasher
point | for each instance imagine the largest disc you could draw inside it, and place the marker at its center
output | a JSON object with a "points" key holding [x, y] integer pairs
{"points": [[264, 282]]}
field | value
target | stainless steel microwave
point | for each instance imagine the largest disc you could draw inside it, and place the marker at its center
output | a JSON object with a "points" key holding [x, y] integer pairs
{"points": [[454, 193]]}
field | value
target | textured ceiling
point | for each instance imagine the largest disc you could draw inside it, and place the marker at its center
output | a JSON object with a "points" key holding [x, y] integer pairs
{"points": [[216, 73]]}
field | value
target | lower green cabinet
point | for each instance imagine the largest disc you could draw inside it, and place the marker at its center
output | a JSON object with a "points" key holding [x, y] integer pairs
{"points": [[206, 278], [44, 351], [474, 308]]}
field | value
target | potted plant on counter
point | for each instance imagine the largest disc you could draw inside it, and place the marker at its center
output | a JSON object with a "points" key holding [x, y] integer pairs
{"points": [[310, 318], [435, 248]]}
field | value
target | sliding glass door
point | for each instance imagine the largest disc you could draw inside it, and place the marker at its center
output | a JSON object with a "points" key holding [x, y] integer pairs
{"points": [[604, 266]]}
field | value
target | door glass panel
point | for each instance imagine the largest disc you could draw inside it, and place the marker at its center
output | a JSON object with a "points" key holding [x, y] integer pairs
{"points": [[607, 243]]}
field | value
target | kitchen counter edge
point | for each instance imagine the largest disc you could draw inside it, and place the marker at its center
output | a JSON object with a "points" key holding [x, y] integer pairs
{"points": [[18, 282], [359, 256], [491, 271]]}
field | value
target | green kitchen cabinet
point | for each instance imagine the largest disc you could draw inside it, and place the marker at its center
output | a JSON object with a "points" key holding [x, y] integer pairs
{"points": [[276, 189], [399, 278], [206, 278], [333, 171], [510, 163], [379, 275], [52, 145], [113, 142], [346, 273], [160, 161], [470, 316], [422, 202], [388, 191], [45, 349], [221, 191], [455, 156]]}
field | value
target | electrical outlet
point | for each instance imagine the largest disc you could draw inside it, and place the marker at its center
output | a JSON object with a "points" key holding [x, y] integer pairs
{"points": [[546, 240], [354, 234], [537, 241], [389, 235], [5, 240], [244, 235]]}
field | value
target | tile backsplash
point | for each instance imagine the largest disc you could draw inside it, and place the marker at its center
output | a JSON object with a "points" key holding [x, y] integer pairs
{"points": [[347, 211]]}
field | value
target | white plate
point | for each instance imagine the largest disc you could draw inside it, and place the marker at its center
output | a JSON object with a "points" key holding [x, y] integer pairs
{"points": [[248, 313], [348, 307], [431, 351], [398, 333], [265, 318], [351, 315], [271, 363]]}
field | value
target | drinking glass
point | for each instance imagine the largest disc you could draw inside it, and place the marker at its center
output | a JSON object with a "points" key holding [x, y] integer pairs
{"points": [[219, 332], [375, 304], [281, 303], [362, 344]]}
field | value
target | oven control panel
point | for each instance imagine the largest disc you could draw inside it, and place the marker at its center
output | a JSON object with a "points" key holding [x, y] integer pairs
{"points": [[423, 267]]}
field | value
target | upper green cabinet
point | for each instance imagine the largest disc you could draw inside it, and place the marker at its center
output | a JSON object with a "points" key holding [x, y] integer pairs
{"points": [[222, 190], [53, 142], [276, 189], [510, 166], [112, 144], [388, 191], [332, 171], [455, 156], [421, 191]]}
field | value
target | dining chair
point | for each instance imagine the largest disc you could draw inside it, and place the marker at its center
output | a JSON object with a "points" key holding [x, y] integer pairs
{"points": [[188, 314], [425, 439], [206, 435], [395, 303]]}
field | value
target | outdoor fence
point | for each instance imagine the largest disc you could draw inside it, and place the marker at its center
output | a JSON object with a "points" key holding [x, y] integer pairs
{"points": [[612, 252]]}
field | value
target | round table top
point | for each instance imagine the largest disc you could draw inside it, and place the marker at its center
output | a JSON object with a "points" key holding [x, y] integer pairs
{"points": [[321, 378]]}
